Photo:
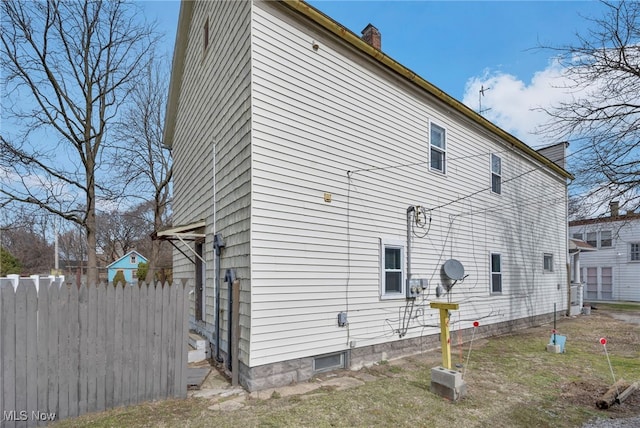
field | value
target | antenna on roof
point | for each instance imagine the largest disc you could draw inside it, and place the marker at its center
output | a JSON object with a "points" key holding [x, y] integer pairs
{"points": [[480, 95]]}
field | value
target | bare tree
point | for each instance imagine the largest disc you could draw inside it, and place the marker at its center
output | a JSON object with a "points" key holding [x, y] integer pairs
{"points": [[603, 116], [119, 233], [25, 237], [67, 67], [141, 158]]}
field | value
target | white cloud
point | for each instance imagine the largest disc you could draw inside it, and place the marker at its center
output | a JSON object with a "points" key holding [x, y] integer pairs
{"points": [[511, 103]]}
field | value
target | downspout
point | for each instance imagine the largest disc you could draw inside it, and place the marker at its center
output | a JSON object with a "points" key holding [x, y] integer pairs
{"points": [[229, 278], [218, 245]]}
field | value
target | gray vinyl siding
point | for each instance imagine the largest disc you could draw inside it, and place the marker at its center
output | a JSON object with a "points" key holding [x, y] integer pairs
{"points": [[318, 115], [215, 111]]}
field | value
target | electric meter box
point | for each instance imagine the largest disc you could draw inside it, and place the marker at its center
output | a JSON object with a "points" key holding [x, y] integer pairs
{"points": [[415, 286]]}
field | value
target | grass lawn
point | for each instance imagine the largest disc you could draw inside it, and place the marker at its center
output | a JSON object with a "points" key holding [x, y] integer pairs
{"points": [[511, 382]]}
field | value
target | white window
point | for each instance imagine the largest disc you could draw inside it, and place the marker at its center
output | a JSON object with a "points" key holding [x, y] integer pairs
{"points": [[496, 273], [635, 252], [548, 262], [133, 259], [605, 239], [438, 143], [592, 239], [578, 236], [496, 174], [392, 270]]}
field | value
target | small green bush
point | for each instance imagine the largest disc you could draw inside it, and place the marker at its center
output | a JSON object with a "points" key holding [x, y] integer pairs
{"points": [[119, 278], [143, 268]]}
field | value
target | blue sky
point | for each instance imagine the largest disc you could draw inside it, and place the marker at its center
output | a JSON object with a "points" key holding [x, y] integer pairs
{"points": [[460, 46]]}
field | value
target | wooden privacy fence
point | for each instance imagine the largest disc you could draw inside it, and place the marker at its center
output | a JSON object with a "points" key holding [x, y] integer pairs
{"points": [[66, 351]]}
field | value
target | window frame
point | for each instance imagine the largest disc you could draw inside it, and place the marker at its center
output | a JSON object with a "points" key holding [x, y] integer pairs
{"points": [[441, 150], [493, 273], [578, 235], [392, 244], [496, 189], [133, 259], [547, 267], [602, 239], [592, 242], [634, 254]]}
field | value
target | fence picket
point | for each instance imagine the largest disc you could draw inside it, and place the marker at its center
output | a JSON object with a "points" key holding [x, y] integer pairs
{"points": [[135, 357], [52, 345], [8, 338], [63, 348], [21, 348], [73, 349], [83, 323], [126, 341], [31, 337], [43, 350], [92, 349]]}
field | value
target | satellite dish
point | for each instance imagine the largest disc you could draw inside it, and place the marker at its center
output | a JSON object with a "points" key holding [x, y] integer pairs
{"points": [[453, 269]]}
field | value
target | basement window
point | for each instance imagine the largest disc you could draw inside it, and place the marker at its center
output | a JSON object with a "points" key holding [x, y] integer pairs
{"points": [[329, 362]]}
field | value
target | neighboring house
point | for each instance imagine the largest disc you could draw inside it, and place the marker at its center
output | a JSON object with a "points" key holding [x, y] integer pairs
{"points": [[612, 272], [128, 264], [332, 174], [576, 248]]}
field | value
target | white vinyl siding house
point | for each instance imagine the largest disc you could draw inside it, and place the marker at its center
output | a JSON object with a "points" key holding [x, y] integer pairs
{"points": [[612, 272], [320, 151]]}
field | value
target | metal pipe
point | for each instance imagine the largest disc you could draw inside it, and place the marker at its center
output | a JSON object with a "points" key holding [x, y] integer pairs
{"points": [[409, 211]]}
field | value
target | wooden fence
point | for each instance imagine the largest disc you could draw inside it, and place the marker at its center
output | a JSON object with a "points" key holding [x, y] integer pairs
{"points": [[66, 351]]}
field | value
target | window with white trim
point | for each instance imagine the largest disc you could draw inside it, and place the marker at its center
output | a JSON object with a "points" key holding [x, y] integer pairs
{"points": [[438, 144], [634, 252], [133, 259], [592, 239], [496, 273], [392, 270], [548, 262], [496, 174], [578, 236], [605, 239]]}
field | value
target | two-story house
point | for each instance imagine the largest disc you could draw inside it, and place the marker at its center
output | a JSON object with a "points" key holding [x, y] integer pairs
{"points": [[612, 272], [344, 193]]}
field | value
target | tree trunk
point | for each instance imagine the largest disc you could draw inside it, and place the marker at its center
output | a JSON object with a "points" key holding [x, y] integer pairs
{"points": [[90, 225]]}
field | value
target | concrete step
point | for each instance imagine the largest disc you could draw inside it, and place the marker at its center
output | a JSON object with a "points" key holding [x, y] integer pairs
{"points": [[196, 341], [197, 348]]}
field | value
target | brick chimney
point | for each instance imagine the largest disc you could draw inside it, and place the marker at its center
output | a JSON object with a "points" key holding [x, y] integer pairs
{"points": [[614, 208], [371, 35]]}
